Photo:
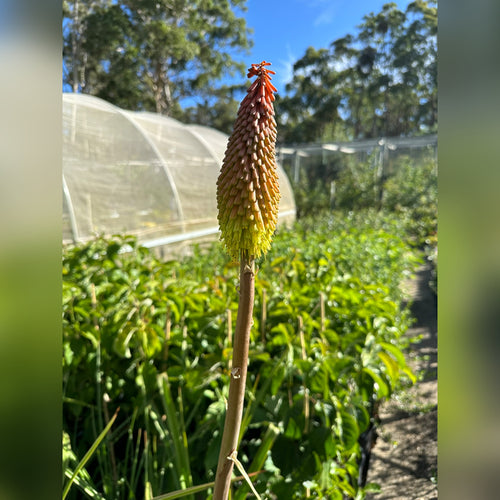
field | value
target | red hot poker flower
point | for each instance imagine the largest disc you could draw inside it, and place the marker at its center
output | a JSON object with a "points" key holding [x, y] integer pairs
{"points": [[247, 188]]}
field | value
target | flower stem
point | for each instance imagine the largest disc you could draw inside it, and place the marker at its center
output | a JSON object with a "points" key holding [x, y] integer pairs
{"points": [[236, 396]]}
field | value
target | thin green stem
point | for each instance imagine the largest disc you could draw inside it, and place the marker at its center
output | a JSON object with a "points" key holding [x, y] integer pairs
{"points": [[87, 455], [238, 378]]}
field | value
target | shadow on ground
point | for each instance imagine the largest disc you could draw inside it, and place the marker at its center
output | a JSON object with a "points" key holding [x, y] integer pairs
{"points": [[404, 458]]}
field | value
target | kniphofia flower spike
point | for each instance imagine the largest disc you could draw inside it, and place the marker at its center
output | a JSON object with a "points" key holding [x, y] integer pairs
{"points": [[247, 188]]}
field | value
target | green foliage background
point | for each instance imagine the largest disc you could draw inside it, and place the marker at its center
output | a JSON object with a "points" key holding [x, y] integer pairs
{"points": [[407, 188], [151, 338]]}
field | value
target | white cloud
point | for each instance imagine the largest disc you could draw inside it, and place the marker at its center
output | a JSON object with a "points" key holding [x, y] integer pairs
{"points": [[285, 72], [326, 10], [327, 14]]}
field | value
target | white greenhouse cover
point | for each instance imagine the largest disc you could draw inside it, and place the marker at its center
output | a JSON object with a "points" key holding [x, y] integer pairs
{"points": [[141, 173]]}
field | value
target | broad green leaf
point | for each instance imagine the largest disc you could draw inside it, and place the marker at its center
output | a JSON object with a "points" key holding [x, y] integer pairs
{"points": [[279, 260], [395, 351], [277, 378], [293, 430], [382, 388], [362, 417], [84, 313], [349, 430], [281, 310], [280, 335], [323, 262], [391, 366]]}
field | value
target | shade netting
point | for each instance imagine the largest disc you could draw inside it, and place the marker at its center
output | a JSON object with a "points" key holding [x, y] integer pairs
{"points": [[141, 173]]}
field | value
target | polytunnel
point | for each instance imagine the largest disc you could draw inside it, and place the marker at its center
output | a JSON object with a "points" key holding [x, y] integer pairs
{"points": [[143, 174]]}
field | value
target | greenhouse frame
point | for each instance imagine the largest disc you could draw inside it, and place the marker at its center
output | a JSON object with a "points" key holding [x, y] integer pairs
{"points": [[144, 174]]}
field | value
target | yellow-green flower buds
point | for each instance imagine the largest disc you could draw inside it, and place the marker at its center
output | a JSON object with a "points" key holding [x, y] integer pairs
{"points": [[247, 188]]}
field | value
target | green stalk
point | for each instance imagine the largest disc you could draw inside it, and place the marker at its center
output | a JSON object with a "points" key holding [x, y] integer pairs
{"points": [[88, 455], [238, 377], [197, 489], [260, 457], [177, 433]]}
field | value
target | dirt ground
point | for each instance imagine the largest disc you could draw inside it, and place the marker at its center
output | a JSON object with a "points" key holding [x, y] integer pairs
{"points": [[404, 458]]}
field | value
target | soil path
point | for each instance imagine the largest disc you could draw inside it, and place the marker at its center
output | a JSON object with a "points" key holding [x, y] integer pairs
{"points": [[404, 458]]}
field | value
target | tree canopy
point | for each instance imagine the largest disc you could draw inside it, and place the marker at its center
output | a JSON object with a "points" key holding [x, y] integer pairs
{"points": [[172, 56], [380, 82], [149, 54]]}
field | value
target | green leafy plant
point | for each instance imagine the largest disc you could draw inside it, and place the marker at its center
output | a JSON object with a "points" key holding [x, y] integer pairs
{"points": [[153, 338], [412, 193]]}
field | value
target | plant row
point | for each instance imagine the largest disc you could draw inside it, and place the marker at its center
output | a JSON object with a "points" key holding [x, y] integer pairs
{"points": [[153, 339]]}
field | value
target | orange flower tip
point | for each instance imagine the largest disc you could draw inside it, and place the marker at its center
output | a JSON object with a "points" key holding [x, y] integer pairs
{"points": [[260, 70]]}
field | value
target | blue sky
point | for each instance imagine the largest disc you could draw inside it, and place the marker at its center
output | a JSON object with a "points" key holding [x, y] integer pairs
{"points": [[284, 29]]}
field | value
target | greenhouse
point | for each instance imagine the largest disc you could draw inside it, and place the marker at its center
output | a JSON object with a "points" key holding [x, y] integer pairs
{"points": [[143, 174]]}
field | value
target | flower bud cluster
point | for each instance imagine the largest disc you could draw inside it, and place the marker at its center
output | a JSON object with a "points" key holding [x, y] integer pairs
{"points": [[247, 188]]}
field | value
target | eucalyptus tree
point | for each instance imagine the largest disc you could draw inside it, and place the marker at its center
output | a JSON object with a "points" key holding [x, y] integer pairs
{"points": [[381, 81], [150, 54], [214, 107]]}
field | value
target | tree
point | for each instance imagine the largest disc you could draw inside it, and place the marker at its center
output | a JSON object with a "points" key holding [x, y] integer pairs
{"points": [[217, 108], [313, 106], [150, 54], [380, 82]]}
